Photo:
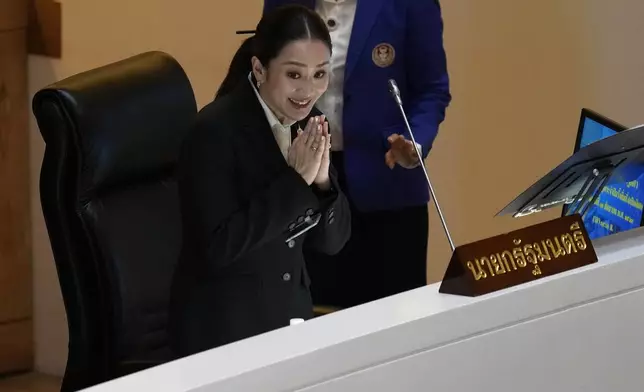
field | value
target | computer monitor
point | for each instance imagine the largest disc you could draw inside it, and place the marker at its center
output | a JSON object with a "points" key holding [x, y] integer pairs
{"points": [[619, 206]]}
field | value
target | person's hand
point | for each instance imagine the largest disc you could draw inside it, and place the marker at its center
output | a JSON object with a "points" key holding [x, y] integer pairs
{"points": [[322, 180], [305, 154], [402, 152]]}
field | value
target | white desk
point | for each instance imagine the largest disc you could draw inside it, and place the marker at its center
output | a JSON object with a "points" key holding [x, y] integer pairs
{"points": [[577, 331]]}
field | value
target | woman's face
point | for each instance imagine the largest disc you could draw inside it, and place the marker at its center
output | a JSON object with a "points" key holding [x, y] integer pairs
{"points": [[295, 79]]}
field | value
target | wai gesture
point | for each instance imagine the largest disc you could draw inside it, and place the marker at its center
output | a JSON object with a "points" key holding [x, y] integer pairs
{"points": [[309, 154]]}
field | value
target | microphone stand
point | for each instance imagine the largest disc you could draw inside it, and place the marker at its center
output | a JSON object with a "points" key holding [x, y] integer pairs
{"points": [[393, 88]]}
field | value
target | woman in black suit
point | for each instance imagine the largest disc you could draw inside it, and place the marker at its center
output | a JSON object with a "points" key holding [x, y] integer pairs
{"points": [[254, 168]]}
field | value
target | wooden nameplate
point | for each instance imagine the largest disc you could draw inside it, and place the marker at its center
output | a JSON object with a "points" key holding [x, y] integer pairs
{"points": [[518, 257]]}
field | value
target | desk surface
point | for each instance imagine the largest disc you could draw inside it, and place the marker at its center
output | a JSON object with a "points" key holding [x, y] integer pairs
{"points": [[361, 337]]}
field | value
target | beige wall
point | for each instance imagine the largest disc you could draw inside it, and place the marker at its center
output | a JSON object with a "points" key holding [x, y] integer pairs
{"points": [[520, 73]]}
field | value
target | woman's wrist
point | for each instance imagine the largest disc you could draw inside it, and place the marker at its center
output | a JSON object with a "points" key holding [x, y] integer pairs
{"points": [[323, 184]]}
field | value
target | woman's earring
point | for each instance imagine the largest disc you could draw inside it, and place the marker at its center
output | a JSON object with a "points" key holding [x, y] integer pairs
{"points": [[259, 83]]}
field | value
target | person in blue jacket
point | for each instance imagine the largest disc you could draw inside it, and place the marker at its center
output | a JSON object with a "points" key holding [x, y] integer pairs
{"points": [[374, 41]]}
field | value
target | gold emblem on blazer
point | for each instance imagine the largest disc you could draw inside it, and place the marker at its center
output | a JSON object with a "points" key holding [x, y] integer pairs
{"points": [[383, 55]]}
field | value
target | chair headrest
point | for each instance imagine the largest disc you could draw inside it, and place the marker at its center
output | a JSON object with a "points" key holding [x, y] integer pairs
{"points": [[127, 119]]}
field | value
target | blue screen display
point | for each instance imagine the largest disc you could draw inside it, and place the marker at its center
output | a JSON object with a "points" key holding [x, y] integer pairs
{"points": [[619, 206]]}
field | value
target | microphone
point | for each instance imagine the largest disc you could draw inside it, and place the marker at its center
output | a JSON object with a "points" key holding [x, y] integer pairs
{"points": [[395, 92]]}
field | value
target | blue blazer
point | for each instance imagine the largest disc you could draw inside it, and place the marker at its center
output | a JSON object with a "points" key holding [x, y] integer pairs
{"points": [[414, 30]]}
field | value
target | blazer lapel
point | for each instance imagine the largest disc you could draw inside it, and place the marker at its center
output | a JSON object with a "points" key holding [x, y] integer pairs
{"points": [[258, 133], [366, 13], [308, 3]]}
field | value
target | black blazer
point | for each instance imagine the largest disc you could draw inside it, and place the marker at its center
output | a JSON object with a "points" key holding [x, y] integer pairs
{"points": [[237, 277]]}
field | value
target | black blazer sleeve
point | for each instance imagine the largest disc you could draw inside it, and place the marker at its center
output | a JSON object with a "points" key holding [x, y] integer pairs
{"points": [[334, 229], [226, 223]]}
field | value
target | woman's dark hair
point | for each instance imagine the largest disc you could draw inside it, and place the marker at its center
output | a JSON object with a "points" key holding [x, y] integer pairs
{"points": [[275, 30]]}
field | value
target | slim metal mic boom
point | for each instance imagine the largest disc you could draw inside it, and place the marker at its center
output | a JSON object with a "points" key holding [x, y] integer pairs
{"points": [[395, 92]]}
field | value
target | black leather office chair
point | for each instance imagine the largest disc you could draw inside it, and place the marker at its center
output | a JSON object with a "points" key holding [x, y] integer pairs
{"points": [[109, 200]]}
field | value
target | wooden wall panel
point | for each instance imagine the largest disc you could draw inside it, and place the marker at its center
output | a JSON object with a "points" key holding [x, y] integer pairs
{"points": [[44, 31], [13, 14], [16, 346]]}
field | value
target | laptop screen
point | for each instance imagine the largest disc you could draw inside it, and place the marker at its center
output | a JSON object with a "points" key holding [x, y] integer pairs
{"points": [[619, 205]]}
